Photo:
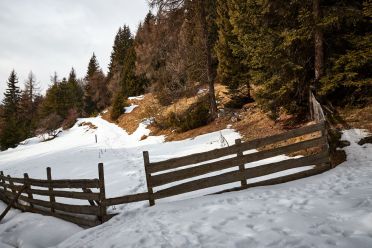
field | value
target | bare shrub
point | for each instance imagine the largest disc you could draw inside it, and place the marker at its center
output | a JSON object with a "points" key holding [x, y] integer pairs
{"points": [[49, 127]]}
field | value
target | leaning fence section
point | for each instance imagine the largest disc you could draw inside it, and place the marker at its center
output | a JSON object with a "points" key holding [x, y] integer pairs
{"points": [[40, 196], [198, 171], [171, 174]]}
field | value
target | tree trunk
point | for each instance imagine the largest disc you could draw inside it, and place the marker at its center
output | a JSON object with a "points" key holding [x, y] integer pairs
{"points": [[318, 42], [208, 53]]}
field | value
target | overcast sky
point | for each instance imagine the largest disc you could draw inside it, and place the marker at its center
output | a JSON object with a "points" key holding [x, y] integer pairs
{"points": [[54, 35]]}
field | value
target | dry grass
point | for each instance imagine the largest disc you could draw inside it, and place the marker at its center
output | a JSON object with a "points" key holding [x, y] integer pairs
{"points": [[88, 124], [356, 118], [250, 121]]}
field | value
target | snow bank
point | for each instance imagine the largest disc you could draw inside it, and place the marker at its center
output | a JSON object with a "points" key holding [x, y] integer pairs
{"points": [[129, 109], [136, 97], [329, 210], [26, 230], [332, 209]]}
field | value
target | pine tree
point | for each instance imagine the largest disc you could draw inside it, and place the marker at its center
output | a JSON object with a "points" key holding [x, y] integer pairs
{"points": [[93, 67], [11, 133], [348, 50], [75, 93], [274, 36], [231, 71], [123, 42], [96, 93]]}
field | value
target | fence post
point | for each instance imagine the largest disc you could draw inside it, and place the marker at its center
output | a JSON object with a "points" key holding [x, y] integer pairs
{"points": [[150, 191], [14, 191], [3, 180], [52, 199], [11, 185], [28, 188], [241, 166], [102, 193], [325, 134]]}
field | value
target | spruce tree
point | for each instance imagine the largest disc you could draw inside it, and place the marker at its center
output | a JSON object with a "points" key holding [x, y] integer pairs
{"points": [[276, 39], [11, 133], [75, 92], [347, 29], [231, 71], [93, 67], [96, 93]]}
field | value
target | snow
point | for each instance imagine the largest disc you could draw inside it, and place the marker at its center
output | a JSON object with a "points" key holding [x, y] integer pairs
{"points": [[28, 230], [201, 91], [129, 109], [325, 210], [136, 97], [328, 210]]}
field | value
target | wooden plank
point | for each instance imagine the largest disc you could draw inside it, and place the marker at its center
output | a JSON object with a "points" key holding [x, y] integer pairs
{"points": [[92, 202], [50, 189], [238, 143], [102, 193], [13, 201], [299, 175], [68, 194], [217, 153], [186, 173], [78, 209], [28, 188], [84, 222], [292, 177], [127, 199], [235, 176], [60, 183], [12, 186], [146, 161]]}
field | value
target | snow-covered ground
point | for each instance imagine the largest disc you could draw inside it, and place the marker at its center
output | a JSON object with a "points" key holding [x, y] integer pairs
{"points": [[332, 209]]}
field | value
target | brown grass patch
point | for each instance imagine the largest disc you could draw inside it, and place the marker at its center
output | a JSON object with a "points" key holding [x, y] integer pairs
{"points": [[88, 124], [356, 118]]}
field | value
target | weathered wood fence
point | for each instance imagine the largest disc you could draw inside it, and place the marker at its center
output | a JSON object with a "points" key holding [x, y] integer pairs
{"points": [[182, 175], [190, 173], [39, 196]]}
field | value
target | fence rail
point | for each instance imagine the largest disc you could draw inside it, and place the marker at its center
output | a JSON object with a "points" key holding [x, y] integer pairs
{"points": [[170, 174], [84, 215]]}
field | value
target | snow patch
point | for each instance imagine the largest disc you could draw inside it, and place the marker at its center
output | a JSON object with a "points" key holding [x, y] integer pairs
{"points": [[27, 230], [141, 97], [129, 109]]}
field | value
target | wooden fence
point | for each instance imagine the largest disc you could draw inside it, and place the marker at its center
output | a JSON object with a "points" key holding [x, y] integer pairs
{"points": [[183, 174], [29, 192], [165, 174]]}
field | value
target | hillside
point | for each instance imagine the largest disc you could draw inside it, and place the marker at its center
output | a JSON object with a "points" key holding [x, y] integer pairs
{"points": [[250, 121]]}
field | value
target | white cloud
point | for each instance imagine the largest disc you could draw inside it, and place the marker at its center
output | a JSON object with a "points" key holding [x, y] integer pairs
{"points": [[49, 35]]}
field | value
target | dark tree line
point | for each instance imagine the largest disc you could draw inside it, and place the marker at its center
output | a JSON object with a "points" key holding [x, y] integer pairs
{"points": [[271, 52]]}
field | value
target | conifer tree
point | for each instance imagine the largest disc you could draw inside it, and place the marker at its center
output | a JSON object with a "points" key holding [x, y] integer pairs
{"points": [[93, 67], [96, 93], [231, 71], [274, 36], [347, 31], [75, 93], [11, 133]]}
